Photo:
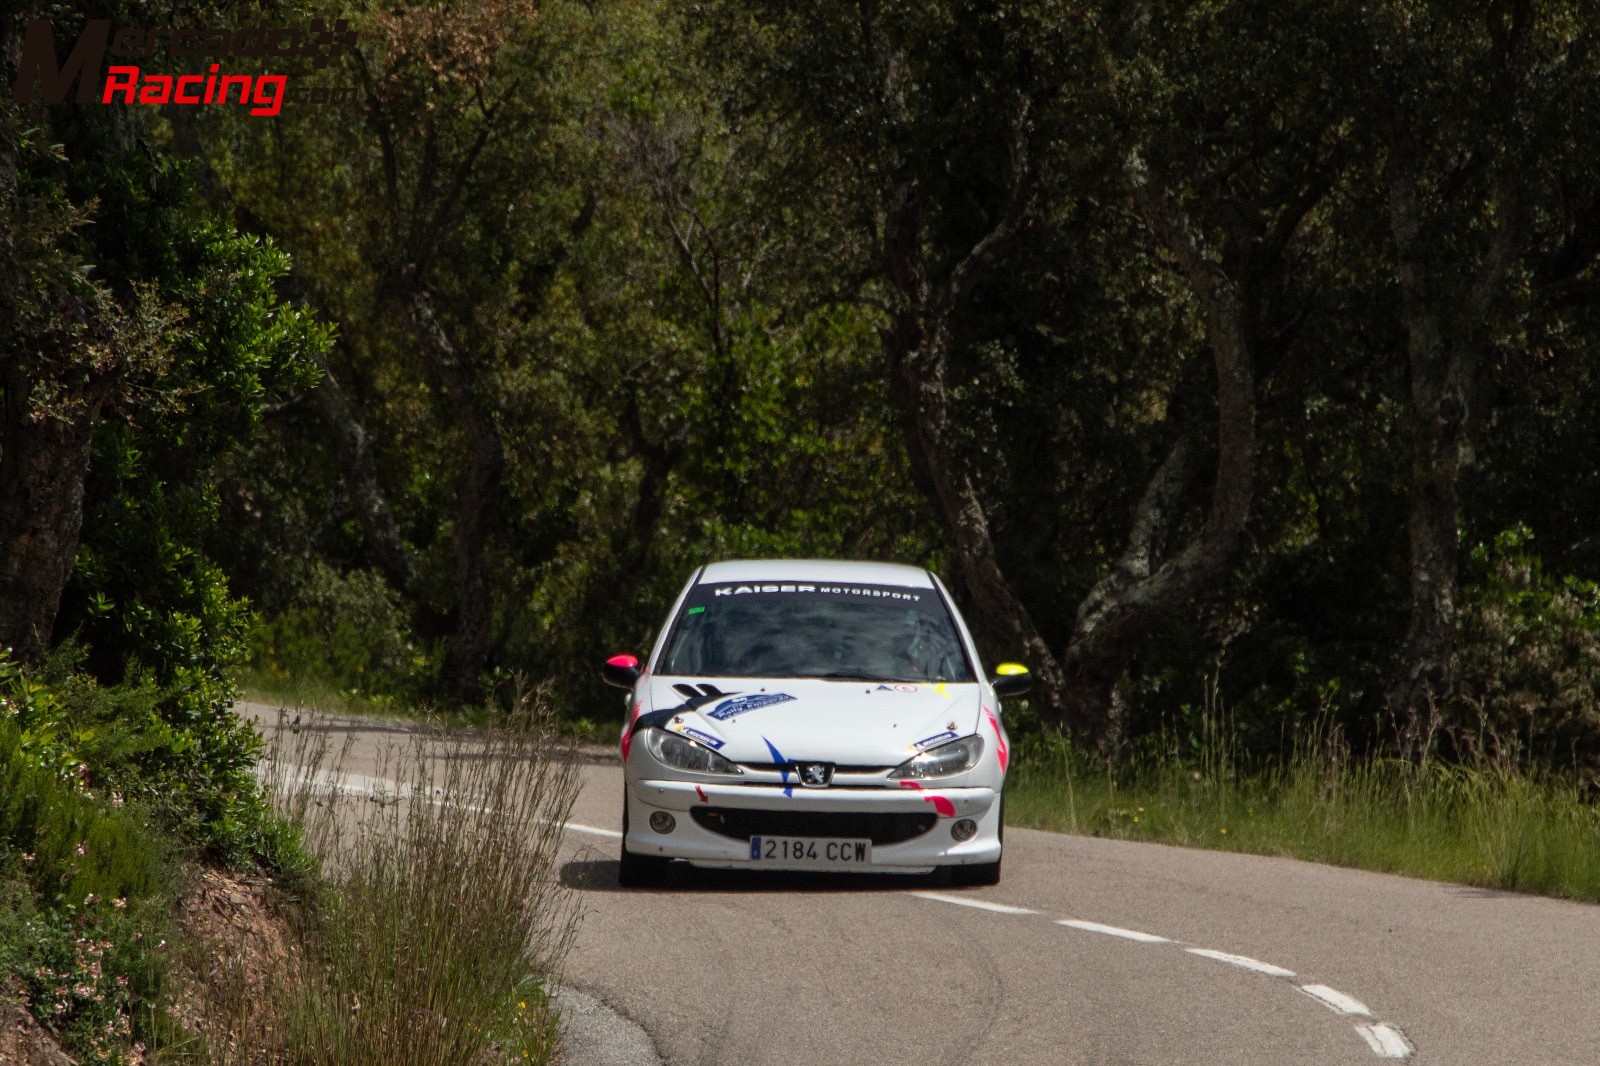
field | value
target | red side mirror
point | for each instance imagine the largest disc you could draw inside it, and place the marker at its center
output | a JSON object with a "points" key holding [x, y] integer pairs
{"points": [[621, 671]]}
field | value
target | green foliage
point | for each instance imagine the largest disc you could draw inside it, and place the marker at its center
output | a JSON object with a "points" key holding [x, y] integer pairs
{"points": [[84, 881], [349, 630], [90, 971], [73, 846], [1528, 661], [177, 752]]}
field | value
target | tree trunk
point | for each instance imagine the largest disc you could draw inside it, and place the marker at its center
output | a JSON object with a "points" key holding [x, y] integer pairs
{"points": [[916, 374], [359, 467], [43, 466], [1144, 585], [468, 652], [1446, 324], [917, 347]]}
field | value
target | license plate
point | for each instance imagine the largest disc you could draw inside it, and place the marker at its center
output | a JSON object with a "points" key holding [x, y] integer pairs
{"points": [[822, 852]]}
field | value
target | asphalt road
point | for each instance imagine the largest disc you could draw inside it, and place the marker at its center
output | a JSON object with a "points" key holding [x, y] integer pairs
{"points": [[1172, 956]]}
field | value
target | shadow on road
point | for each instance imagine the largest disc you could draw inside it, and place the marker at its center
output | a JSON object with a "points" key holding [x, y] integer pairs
{"points": [[600, 875]]}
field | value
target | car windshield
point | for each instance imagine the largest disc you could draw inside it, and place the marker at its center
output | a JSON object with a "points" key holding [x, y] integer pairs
{"points": [[848, 632]]}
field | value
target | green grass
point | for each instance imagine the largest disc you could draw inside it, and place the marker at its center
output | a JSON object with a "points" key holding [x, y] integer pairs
{"points": [[1491, 827]]}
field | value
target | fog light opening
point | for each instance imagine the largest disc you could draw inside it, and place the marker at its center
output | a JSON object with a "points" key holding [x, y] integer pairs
{"points": [[964, 829], [662, 822]]}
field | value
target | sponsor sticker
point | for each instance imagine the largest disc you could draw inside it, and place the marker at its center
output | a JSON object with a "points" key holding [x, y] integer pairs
{"points": [[875, 592], [742, 704], [937, 738], [714, 743]]}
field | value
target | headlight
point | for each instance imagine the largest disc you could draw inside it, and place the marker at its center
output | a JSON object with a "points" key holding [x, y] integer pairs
{"points": [[956, 757], [683, 754]]}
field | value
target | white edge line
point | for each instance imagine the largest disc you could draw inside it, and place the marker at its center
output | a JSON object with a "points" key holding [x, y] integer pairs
{"points": [[1336, 1001], [576, 828], [1112, 930], [1244, 961], [382, 789], [1386, 1041], [980, 904]]}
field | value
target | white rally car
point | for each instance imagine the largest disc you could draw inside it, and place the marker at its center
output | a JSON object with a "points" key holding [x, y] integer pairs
{"points": [[804, 715]]}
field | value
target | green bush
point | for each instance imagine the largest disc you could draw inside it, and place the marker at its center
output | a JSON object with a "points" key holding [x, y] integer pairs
{"points": [[177, 750], [346, 630], [83, 882], [72, 846], [1527, 663]]}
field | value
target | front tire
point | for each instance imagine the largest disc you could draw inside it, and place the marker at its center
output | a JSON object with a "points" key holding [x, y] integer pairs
{"points": [[983, 873], [639, 871], [642, 871], [980, 873]]}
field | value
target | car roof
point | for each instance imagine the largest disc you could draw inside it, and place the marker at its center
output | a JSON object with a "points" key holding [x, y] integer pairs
{"points": [[855, 571]]}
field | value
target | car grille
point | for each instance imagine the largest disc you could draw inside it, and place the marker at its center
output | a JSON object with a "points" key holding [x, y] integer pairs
{"points": [[839, 768], [741, 824]]}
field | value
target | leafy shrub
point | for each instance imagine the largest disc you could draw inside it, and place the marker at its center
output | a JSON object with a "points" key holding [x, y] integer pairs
{"points": [[82, 879], [176, 749], [72, 847], [1528, 662], [348, 630]]}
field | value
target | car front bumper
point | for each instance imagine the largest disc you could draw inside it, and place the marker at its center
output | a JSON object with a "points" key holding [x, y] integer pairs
{"points": [[701, 846]]}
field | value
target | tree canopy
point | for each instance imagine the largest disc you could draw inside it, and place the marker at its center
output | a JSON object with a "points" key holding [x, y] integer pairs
{"points": [[1232, 347]]}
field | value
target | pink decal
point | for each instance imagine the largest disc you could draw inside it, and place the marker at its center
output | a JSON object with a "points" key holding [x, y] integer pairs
{"points": [[702, 794], [940, 803], [999, 739], [627, 730]]}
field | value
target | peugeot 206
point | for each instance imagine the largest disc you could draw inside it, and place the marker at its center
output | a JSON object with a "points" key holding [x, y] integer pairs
{"points": [[809, 715]]}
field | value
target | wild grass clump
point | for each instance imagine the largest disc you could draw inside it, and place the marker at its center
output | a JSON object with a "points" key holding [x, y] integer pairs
{"points": [[1486, 825], [443, 921]]}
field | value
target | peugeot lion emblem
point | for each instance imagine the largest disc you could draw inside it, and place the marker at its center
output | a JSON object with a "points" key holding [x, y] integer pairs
{"points": [[816, 774]]}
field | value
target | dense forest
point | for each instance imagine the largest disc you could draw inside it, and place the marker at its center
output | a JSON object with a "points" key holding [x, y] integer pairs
{"points": [[1232, 354]]}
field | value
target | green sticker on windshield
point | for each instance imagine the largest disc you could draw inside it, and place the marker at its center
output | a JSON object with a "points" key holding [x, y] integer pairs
{"points": [[695, 610]]}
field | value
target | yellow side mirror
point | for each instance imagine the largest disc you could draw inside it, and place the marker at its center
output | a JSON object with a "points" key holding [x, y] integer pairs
{"points": [[1011, 679]]}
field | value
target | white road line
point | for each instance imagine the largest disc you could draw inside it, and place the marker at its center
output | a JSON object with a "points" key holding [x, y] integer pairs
{"points": [[980, 904], [1243, 961], [576, 828], [1336, 1001], [1111, 930], [1386, 1041], [381, 788]]}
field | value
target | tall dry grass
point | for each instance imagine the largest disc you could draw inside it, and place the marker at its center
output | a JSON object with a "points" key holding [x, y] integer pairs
{"points": [[1488, 825], [439, 925]]}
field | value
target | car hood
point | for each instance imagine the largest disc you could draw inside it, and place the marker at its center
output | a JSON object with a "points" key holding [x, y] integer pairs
{"points": [[855, 723]]}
